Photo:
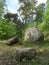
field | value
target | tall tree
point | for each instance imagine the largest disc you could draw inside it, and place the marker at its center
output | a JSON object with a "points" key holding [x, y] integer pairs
{"points": [[46, 20], [15, 19], [40, 9], [7, 30], [11, 17], [27, 9], [2, 3], [45, 25]]}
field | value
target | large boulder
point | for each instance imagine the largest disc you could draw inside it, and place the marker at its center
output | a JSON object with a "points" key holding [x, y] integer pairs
{"points": [[12, 41], [33, 35], [24, 53]]}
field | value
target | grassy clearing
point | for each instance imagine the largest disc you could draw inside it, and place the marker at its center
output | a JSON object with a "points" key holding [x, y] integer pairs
{"points": [[39, 46], [6, 52]]}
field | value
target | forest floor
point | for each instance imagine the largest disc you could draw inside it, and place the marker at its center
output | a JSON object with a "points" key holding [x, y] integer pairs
{"points": [[6, 53]]}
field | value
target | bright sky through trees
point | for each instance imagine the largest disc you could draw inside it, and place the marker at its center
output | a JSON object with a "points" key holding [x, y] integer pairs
{"points": [[13, 5]]}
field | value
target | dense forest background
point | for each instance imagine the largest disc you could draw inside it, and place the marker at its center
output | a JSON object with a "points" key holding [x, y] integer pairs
{"points": [[30, 14]]}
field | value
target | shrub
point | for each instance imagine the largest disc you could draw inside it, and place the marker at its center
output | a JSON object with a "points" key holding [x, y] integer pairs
{"points": [[8, 30]]}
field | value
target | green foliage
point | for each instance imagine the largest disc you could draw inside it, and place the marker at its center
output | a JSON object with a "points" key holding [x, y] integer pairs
{"points": [[27, 9], [11, 17], [44, 27], [29, 26], [14, 17], [2, 3], [40, 9], [7, 30]]}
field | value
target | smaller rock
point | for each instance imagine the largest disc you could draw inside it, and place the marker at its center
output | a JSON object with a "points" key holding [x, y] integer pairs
{"points": [[24, 53], [12, 40]]}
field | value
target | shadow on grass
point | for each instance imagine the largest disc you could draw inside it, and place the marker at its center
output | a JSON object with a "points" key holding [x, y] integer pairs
{"points": [[41, 44]]}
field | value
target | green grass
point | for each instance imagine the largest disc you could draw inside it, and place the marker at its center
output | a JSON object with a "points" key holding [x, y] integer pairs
{"points": [[42, 48], [39, 45]]}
